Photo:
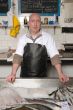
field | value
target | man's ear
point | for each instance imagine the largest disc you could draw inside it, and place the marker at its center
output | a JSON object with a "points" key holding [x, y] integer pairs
{"points": [[28, 23]]}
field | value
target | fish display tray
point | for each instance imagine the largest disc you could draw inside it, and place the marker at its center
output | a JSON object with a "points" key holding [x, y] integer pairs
{"points": [[34, 91]]}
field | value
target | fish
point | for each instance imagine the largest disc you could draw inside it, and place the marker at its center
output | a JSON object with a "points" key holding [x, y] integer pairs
{"points": [[63, 93], [43, 102], [24, 108], [40, 107]]}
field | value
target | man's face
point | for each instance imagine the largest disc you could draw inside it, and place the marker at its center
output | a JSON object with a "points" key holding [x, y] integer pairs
{"points": [[34, 23]]}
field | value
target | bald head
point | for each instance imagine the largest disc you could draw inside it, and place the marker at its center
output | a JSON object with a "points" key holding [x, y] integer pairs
{"points": [[34, 23], [34, 15]]}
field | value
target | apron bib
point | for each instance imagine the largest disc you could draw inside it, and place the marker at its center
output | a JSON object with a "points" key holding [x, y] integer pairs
{"points": [[34, 61]]}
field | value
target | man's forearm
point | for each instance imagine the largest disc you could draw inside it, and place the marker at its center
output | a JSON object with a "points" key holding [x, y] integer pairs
{"points": [[62, 77], [16, 63], [17, 59], [14, 69], [58, 68]]}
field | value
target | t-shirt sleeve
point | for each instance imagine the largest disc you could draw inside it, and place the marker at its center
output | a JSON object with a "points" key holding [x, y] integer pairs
{"points": [[51, 47], [20, 47]]}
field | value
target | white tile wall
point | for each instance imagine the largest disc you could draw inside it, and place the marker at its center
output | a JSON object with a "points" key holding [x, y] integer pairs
{"points": [[6, 70], [6, 41]]}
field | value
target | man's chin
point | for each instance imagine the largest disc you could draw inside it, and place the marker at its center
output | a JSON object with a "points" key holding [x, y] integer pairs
{"points": [[36, 31]]}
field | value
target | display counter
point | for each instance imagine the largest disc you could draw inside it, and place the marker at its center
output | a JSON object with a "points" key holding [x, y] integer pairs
{"points": [[35, 92]]}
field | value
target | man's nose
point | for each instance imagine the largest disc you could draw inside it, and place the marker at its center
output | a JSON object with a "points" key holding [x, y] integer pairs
{"points": [[35, 23]]}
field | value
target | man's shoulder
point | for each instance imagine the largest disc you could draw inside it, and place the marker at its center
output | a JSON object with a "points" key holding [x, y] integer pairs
{"points": [[23, 37], [46, 34]]}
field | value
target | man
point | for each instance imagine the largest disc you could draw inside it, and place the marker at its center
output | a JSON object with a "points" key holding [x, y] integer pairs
{"points": [[32, 52]]}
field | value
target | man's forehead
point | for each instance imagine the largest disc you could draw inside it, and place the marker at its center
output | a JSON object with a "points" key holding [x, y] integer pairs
{"points": [[34, 15]]}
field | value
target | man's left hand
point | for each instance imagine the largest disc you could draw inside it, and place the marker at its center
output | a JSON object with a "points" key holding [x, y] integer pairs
{"points": [[63, 78]]}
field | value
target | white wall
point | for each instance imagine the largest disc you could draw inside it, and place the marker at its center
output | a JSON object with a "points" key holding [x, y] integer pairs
{"points": [[5, 70]]}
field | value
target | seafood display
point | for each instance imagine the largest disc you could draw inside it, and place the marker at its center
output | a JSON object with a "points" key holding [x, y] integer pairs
{"points": [[11, 98], [63, 93], [37, 104]]}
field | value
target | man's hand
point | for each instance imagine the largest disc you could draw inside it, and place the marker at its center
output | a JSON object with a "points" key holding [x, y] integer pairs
{"points": [[11, 78], [63, 78]]}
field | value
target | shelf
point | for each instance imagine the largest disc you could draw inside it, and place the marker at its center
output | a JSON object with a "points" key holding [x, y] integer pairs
{"points": [[46, 25], [50, 25], [69, 59], [3, 27]]}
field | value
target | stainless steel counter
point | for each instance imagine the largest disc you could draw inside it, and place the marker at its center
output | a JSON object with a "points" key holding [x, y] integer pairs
{"points": [[36, 83], [32, 83], [34, 88]]}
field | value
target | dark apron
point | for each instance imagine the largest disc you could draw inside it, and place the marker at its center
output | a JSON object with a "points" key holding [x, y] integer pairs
{"points": [[34, 61]]}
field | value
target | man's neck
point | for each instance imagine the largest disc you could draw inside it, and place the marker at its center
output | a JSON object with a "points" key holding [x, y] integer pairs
{"points": [[34, 35]]}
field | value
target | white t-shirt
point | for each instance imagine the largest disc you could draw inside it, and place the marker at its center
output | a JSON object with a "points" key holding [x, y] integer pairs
{"points": [[45, 39]]}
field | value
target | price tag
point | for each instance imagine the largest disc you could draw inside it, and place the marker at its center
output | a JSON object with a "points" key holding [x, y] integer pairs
{"points": [[65, 105]]}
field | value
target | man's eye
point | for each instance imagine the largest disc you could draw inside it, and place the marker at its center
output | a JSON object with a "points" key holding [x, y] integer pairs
{"points": [[38, 21], [32, 21]]}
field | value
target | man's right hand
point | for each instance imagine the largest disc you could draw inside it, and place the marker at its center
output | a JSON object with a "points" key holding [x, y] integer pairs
{"points": [[11, 78]]}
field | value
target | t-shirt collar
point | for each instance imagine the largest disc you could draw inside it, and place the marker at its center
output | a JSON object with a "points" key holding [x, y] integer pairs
{"points": [[39, 34]]}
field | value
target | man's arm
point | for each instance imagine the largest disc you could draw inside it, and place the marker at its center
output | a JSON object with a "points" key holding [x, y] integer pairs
{"points": [[63, 78], [16, 63], [56, 62], [11, 77]]}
